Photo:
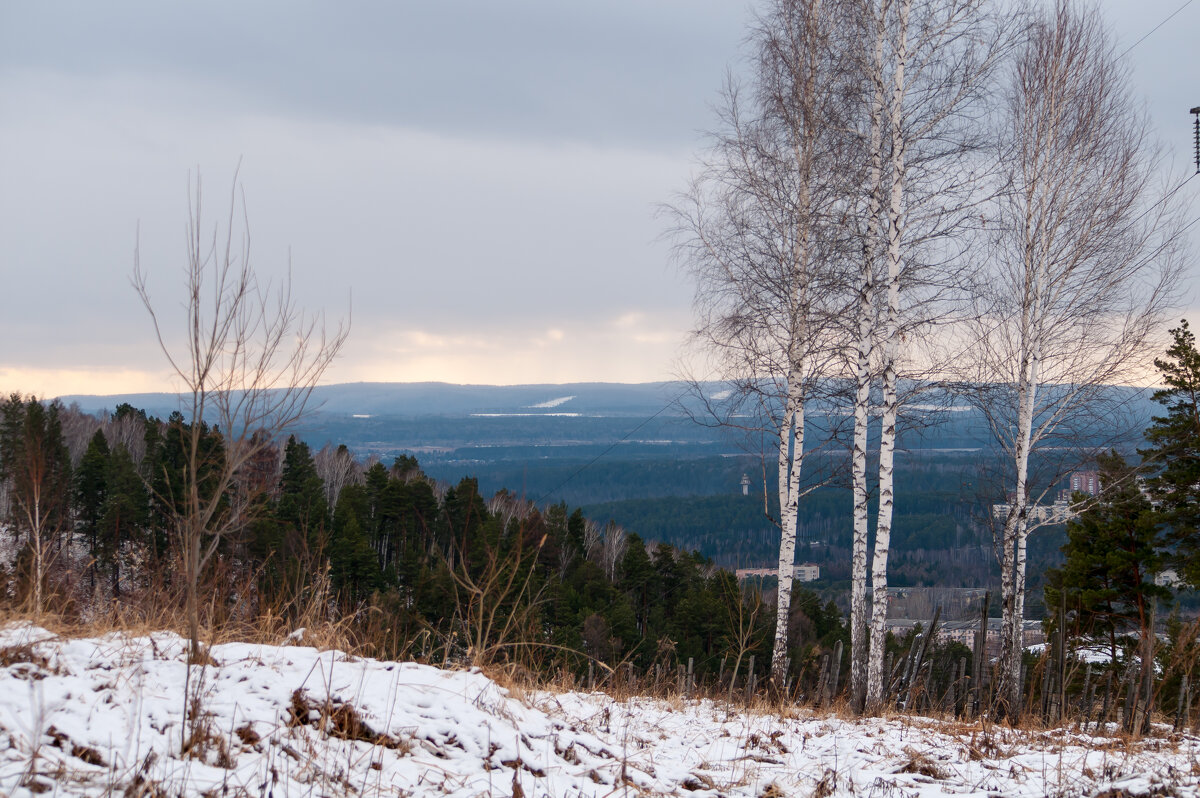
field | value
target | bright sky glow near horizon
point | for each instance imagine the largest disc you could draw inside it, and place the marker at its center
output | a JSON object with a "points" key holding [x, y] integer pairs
{"points": [[478, 180]]}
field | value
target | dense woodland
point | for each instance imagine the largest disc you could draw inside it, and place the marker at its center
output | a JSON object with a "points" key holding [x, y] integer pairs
{"points": [[401, 563]]}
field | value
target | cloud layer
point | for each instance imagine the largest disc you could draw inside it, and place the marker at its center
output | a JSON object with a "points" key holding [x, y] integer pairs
{"points": [[476, 181]]}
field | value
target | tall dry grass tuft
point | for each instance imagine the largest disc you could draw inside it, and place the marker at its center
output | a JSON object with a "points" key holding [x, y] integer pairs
{"points": [[234, 612]]}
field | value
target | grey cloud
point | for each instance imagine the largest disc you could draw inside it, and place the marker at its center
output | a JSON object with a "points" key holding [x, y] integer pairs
{"points": [[611, 72]]}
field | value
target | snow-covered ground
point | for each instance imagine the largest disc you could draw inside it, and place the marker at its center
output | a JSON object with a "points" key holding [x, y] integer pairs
{"points": [[102, 716]]}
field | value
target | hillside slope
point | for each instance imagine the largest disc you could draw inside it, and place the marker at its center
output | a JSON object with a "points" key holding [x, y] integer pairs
{"points": [[101, 716]]}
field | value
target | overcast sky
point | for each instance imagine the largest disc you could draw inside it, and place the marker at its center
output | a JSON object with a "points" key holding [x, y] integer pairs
{"points": [[478, 178]]}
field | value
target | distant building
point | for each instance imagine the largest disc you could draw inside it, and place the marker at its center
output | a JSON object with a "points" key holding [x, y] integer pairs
{"points": [[1085, 482], [1169, 578], [808, 572], [964, 632], [1058, 513], [745, 484]]}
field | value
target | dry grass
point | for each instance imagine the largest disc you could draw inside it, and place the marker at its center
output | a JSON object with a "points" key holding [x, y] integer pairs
{"points": [[341, 720], [306, 620], [310, 624], [309, 619]]}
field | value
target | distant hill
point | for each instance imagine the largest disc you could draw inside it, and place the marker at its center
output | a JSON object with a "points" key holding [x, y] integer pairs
{"points": [[415, 399], [467, 426]]}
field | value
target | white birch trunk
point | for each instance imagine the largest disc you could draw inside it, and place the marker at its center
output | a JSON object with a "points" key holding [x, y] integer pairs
{"points": [[39, 564], [862, 397], [31, 508], [883, 534], [858, 559], [887, 439], [791, 449], [1016, 523]]}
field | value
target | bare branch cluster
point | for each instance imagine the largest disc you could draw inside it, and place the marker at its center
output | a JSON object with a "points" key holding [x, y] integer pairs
{"points": [[247, 367]]}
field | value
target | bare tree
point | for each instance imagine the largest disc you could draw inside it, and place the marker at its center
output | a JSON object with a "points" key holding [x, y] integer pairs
{"points": [[925, 66], [873, 94], [1087, 254], [593, 540], [78, 428], [247, 366], [337, 468], [612, 549], [758, 231], [127, 428]]}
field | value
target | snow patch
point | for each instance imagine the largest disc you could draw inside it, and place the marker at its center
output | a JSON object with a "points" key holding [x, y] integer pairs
{"points": [[562, 400], [525, 415], [102, 716]]}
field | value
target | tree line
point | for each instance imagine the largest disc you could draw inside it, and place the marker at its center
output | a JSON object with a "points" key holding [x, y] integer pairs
{"points": [[406, 564]]}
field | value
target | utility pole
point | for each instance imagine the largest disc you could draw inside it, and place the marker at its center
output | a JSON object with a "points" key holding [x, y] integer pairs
{"points": [[1196, 135]]}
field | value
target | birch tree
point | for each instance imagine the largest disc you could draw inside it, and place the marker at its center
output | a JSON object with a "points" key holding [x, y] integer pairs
{"points": [[337, 468], [1087, 254], [756, 232], [867, 317], [925, 67]]}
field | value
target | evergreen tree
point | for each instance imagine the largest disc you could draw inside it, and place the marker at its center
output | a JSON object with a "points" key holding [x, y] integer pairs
{"points": [[126, 512], [91, 492], [462, 518], [352, 563], [1112, 553], [288, 540], [301, 493], [636, 580], [36, 461], [168, 465], [1174, 453]]}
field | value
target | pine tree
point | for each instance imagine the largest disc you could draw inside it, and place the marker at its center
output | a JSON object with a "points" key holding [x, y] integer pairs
{"points": [[1174, 453], [35, 459], [91, 492], [1112, 553], [301, 492], [126, 512], [288, 539], [352, 563]]}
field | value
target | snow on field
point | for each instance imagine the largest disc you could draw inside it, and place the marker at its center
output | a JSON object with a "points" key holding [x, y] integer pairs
{"points": [[102, 716], [561, 400]]}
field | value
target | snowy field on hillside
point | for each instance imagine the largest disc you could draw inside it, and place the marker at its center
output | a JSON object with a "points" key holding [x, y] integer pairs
{"points": [[102, 716]]}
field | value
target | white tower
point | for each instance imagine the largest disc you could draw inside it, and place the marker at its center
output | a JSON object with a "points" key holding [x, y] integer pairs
{"points": [[745, 484]]}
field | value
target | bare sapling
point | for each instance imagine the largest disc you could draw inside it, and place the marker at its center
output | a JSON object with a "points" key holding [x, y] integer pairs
{"points": [[246, 366]]}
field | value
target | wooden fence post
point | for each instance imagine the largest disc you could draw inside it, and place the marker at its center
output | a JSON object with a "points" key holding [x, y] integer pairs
{"points": [[836, 672], [979, 656]]}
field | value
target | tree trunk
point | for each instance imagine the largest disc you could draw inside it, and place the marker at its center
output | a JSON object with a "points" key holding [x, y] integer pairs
{"points": [[791, 449], [858, 560], [1016, 522], [192, 577], [887, 437], [859, 654], [39, 565]]}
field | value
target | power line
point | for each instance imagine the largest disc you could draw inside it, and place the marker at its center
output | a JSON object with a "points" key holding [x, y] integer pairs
{"points": [[1156, 27], [1165, 197]]}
